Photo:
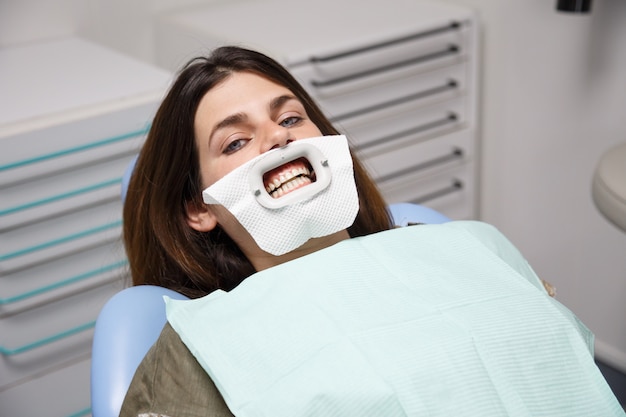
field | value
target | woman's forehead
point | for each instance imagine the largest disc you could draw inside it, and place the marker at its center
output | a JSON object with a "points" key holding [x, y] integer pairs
{"points": [[240, 87], [241, 92]]}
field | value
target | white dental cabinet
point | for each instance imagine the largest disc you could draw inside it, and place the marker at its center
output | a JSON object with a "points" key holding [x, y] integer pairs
{"points": [[398, 78], [72, 114]]}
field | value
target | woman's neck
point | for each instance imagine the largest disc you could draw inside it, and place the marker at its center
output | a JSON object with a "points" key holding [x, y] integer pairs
{"points": [[262, 260]]}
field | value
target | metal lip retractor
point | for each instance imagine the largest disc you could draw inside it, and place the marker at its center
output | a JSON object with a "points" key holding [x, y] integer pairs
{"points": [[281, 156]]}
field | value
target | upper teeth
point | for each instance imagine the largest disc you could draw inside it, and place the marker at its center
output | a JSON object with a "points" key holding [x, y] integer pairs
{"points": [[285, 177]]}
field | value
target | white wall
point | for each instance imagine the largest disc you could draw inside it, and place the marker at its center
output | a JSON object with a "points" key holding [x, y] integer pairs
{"points": [[553, 99]]}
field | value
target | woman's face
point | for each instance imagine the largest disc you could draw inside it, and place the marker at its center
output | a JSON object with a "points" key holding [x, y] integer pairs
{"points": [[241, 118]]}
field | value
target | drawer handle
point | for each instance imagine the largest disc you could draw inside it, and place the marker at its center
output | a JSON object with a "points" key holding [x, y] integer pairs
{"points": [[450, 85], [442, 29], [449, 119], [70, 151], [450, 50], [454, 187], [457, 153], [62, 283], [46, 340]]}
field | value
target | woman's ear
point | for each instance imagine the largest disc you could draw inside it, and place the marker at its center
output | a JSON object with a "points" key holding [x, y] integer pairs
{"points": [[201, 217]]}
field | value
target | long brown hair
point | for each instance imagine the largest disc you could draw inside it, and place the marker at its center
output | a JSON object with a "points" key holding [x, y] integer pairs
{"points": [[162, 248]]}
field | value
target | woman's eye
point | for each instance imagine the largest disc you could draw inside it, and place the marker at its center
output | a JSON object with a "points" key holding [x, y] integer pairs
{"points": [[290, 121], [235, 145]]}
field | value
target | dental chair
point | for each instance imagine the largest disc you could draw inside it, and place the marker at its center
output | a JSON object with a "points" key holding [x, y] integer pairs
{"points": [[131, 321]]}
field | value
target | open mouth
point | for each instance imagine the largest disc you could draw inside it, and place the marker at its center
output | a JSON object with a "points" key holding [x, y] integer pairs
{"points": [[288, 177]]}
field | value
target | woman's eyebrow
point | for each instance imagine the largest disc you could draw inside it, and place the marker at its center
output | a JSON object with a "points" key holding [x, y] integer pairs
{"points": [[231, 120], [238, 118], [280, 100]]}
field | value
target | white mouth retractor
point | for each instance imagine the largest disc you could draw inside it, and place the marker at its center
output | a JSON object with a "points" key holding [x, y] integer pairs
{"points": [[277, 157]]}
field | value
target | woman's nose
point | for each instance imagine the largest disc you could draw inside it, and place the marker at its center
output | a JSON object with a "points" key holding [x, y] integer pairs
{"points": [[277, 136]]}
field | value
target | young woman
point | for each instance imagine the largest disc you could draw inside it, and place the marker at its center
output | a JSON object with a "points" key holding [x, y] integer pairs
{"points": [[452, 320], [164, 244], [221, 111]]}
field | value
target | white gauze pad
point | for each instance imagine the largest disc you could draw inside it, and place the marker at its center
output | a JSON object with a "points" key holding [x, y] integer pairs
{"points": [[280, 225]]}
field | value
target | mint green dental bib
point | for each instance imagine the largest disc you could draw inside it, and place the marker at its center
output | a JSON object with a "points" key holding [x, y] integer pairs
{"points": [[434, 320]]}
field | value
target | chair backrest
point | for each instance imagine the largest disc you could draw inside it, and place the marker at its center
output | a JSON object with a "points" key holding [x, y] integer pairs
{"points": [[407, 213], [126, 177], [127, 326]]}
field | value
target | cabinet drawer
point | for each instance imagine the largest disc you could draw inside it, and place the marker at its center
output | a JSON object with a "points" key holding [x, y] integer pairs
{"points": [[68, 143], [61, 277], [62, 393], [400, 127], [370, 63], [421, 158], [52, 195], [42, 338], [451, 192], [410, 90], [41, 242]]}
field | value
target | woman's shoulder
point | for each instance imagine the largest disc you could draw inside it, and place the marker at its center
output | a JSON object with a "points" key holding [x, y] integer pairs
{"points": [[171, 382], [170, 340]]}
